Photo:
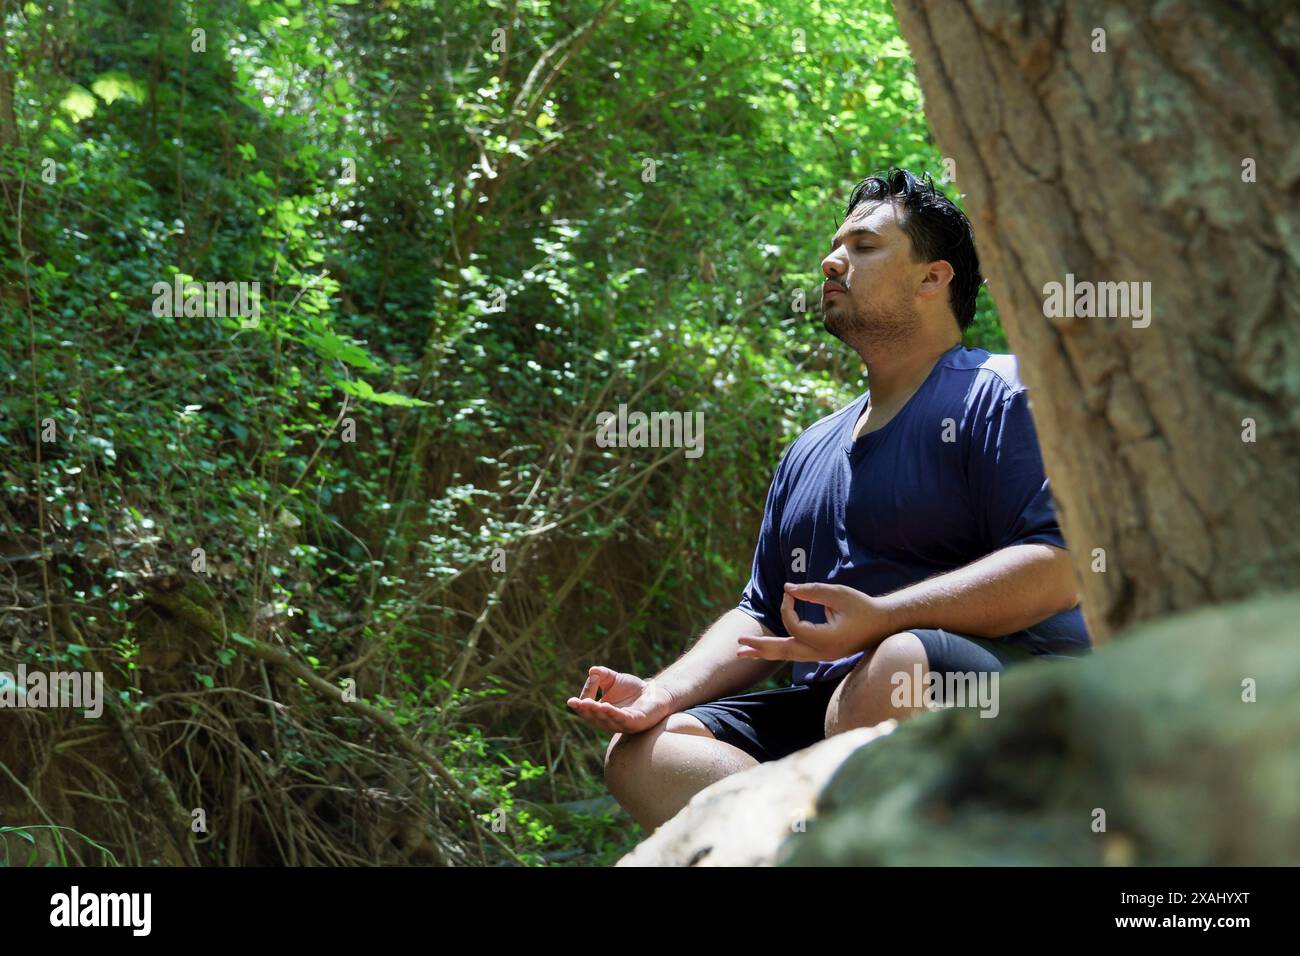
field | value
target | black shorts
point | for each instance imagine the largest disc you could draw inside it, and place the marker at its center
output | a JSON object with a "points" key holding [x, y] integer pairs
{"points": [[771, 724]]}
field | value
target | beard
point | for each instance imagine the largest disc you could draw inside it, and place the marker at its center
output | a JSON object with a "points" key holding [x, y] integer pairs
{"points": [[868, 328]]}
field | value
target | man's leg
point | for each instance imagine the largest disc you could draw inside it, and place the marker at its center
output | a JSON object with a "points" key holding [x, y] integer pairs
{"points": [[863, 698], [654, 773], [866, 696]]}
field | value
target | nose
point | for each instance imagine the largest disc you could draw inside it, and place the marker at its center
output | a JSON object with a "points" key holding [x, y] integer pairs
{"points": [[834, 265]]}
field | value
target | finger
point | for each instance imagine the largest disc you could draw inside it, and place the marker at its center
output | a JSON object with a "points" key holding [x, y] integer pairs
{"points": [[790, 618], [598, 678], [588, 712], [828, 595], [584, 706], [804, 630], [616, 716], [600, 714]]}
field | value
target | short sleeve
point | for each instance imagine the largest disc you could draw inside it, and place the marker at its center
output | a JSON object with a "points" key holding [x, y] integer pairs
{"points": [[1008, 481], [763, 594]]}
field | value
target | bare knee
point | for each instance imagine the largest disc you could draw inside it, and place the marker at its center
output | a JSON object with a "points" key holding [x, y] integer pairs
{"points": [[627, 758], [866, 696]]}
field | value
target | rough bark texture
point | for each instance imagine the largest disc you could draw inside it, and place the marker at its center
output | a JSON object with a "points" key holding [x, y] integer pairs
{"points": [[1126, 165]]}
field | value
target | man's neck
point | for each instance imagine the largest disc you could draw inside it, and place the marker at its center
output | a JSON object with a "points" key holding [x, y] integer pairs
{"points": [[896, 373]]}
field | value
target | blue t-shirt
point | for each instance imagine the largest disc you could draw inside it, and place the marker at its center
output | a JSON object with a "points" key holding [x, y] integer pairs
{"points": [[955, 475]]}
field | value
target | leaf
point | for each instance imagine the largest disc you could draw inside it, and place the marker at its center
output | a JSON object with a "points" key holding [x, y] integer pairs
{"points": [[78, 103], [330, 346], [362, 389], [113, 85]]}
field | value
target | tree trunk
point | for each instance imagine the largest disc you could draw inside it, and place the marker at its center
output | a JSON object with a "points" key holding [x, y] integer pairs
{"points": [[8, 120], [1131, 165]]}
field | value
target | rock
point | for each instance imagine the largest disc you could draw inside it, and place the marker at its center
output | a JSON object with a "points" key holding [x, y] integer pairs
{"points": [[1156, 737], [742, 819]]}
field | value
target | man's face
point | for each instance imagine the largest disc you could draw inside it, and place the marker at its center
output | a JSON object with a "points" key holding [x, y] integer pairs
{"points": [[871, 279]]}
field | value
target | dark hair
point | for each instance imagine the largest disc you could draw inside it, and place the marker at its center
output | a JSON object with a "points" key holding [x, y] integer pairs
{"points": [[937, 228]]}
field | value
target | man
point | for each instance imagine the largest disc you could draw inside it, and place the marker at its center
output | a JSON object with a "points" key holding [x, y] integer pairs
{"points": [[912, 532]]}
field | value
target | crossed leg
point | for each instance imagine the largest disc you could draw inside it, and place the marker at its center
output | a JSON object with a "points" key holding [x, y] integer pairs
{"points": [[654, 773]]}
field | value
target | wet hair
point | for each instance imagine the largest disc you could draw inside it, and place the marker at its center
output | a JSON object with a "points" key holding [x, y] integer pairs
{"points": [[937, 229]]}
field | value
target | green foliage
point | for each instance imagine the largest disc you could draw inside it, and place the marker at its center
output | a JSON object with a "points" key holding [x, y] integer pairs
{"points": [[32, 854], [497, 271]]}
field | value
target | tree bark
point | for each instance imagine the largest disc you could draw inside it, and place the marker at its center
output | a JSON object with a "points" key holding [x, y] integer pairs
{"points": [[1127, 165], [8, 119]]}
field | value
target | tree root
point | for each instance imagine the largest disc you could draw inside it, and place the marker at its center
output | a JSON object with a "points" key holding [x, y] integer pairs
{"points": [[182, 607]]}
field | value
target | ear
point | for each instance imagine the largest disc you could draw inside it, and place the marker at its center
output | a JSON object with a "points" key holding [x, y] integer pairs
{"points": [[936, 279]]}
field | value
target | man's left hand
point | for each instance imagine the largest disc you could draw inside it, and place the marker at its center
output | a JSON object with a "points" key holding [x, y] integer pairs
{"points": [[854, 622]]}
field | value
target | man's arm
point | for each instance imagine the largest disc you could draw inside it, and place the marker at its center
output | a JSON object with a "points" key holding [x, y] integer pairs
{"points": [[710, 669], [1013, 588], [1001, 593]]}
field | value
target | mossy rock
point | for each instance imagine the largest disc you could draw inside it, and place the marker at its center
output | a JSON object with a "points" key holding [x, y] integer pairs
{"points": [[1157, 731]]}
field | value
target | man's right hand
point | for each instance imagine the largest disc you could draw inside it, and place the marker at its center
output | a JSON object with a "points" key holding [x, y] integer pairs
{"points": [[627, 703]]}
